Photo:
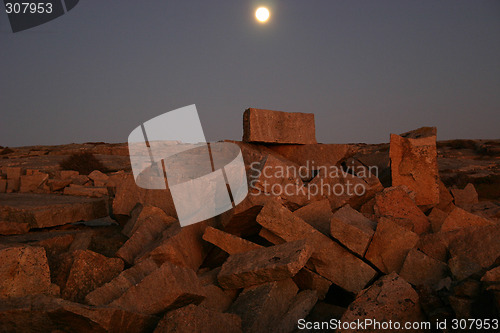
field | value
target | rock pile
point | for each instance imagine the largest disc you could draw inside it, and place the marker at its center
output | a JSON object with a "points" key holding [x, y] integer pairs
{"points": [[322, 235]]}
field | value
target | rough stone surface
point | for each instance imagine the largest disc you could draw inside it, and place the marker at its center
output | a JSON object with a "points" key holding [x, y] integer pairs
{"points": [[300, 307], [390, 245], [128, 195], [120, 284], [58, 184], [420, 269], [31, 183], [313, 156], [278, 127], [98, 176], [396, 204], [306, 279], [24, 270], [181, 246], [479, 247], [493, 275], [42, 313], [390, 298], [89, 271], [352, 229], [329, 259], [166, 288], [146, 231], [277, 177], [459, 218], [13, 185], [12, 172], [229, 243], [261, 306], [445, 198], [194, 318], [465, 198], [86, 191], [45, 210], [13, 228], [414, 164], [217, 299], [264, 265], [436, 245], [318, 214], [270, 237], [437, 218], [341, 188]]}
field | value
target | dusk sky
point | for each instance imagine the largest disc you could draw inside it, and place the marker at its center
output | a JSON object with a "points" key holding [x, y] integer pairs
{"points": [[364, 68]]}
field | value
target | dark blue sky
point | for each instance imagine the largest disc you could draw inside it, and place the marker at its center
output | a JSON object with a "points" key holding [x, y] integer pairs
{"points": [[365, 68]]}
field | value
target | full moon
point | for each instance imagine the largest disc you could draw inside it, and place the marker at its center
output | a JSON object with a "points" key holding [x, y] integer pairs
{"points": [[262, 14]]}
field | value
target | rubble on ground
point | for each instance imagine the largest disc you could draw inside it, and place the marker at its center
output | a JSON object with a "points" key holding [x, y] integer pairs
{"points": [[95, 252]]}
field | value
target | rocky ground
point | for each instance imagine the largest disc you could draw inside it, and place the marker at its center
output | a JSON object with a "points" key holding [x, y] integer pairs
{"points": [[94, 252]]}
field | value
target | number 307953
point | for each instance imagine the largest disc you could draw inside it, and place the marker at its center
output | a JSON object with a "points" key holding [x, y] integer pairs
{"points": [[28, 7]]}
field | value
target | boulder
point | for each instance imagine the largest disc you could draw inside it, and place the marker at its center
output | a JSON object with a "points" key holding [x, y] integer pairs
{"points": [[58, 184], [445, 198], [341, 187], [465, 198], [273, 263], [278, 127], [194, 318], [436, 245], [13, 228], [461, 306], [128, 195], [390, 245], [477, 246], [492, 276], [89, 270], [437, 218], [414, 164], [31, 183], [68, 174], [391, 298], [396, 204], [13, 185], [420, 269], [459, 218], [120, 284], [352, 229], [147, 229], [271, 237], [40, 313], [179, 286], [488, 209], [217, 299], [12, 172], [299, 308], [99, 178], [279, 178], [306, 279], [24, 270], [318, 214], [229, 243], [329, 259], [47, 210], [268, 303], [86, 191], [180, 246], [312, 157]]}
